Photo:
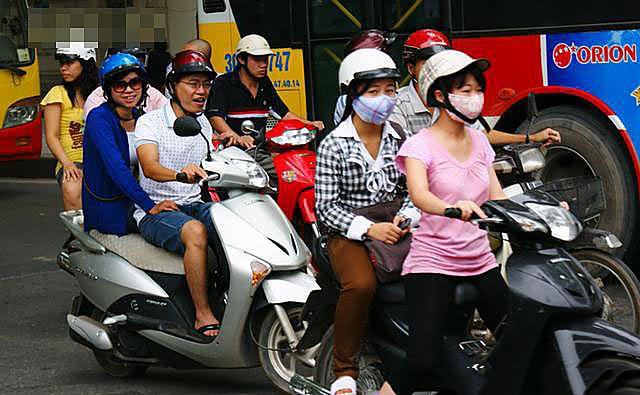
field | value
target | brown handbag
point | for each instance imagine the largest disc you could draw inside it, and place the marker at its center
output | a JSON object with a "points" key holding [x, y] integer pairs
{"points": [[386, 259]]}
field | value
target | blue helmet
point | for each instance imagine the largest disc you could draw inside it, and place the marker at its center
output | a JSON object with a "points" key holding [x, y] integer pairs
{"points": [[116, 64]]}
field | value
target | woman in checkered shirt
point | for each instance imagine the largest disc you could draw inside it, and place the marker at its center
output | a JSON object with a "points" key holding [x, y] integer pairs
{"points": [[356, 168]]}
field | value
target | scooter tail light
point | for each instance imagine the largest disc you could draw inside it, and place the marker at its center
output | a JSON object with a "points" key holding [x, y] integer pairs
{"points": [[259, 270]]}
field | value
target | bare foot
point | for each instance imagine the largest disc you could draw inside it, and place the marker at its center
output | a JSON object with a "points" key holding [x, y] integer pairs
{"points": [[207, 324]]}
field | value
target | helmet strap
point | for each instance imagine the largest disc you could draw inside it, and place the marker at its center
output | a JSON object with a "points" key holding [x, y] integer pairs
{"points": [[447, 105]]}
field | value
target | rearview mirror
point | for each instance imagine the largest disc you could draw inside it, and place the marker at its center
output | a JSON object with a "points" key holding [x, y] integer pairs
{"points": [[247, 127], [186, 126]]}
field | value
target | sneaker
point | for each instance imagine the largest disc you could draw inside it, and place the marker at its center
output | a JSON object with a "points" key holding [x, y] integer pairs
{"points": [[345, 385]]}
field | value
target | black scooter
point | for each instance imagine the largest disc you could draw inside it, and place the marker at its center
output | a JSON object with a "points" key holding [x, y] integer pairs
{"points": [[552, 342]]}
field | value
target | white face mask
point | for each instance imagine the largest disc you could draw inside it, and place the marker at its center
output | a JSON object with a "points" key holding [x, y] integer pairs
{"points": [[469, 105]]}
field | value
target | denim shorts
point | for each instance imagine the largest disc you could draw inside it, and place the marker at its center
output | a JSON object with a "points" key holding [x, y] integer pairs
{"points": [[163, 229]]}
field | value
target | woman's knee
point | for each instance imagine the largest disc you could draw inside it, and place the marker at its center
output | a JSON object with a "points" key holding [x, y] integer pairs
{"points": [[194, 234]]}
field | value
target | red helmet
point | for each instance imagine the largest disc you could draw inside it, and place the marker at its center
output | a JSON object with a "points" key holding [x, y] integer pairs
{"points": [[372, 38], [190, 62], [424, 43]]}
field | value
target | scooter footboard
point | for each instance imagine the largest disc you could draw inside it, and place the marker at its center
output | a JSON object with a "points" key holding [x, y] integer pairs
{"points": [[288, 287], [578, 341]]}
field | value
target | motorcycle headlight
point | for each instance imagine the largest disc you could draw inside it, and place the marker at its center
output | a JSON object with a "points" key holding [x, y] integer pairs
{"points": [[532, 159], [527, 224], [564, 225], [295, 137], [257, 176]]}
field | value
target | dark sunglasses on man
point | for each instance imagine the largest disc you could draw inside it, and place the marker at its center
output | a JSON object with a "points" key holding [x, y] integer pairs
{"points": [[121, 85]]}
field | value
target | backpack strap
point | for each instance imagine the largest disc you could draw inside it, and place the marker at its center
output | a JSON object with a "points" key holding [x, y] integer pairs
{"points": [[403, 135]]}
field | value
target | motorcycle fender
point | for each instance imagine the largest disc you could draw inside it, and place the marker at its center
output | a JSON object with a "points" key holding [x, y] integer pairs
{"points": [[576, 340], [307, 205], [288, 287]]}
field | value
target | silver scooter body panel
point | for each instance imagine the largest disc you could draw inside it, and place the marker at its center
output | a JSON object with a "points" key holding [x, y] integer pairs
{"points": [[105, 278]]}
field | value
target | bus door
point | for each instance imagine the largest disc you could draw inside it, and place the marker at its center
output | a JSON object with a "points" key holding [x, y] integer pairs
{"points": [[222, 23], [20, 125]]}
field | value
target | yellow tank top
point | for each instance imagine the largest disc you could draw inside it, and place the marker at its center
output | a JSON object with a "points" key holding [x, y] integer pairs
{"points": [[71, 123]]}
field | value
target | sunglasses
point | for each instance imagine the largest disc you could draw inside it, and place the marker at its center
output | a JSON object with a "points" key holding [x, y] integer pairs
{"points": [[121, 85]]}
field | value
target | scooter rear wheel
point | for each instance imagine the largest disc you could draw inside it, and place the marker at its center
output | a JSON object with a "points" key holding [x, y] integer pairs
{"points": [[112, 366]]}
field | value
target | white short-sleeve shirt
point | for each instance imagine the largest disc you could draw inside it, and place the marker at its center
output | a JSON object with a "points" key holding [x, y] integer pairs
{"points": [[174, 152]]}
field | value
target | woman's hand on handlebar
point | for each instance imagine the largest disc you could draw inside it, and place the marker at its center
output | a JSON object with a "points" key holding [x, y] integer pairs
{"points": [[386, 232], [468, 208], [194, 173], [165, 205]]}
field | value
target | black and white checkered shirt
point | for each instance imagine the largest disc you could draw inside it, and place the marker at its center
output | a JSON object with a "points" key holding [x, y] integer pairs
{"points": [[347, 178]]}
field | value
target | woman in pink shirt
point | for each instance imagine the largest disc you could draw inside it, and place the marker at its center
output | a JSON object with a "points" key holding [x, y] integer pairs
{"points": [[447, 165]]}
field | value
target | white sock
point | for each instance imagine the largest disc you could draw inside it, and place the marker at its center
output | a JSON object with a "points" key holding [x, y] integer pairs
{"points": [[345, 385]]}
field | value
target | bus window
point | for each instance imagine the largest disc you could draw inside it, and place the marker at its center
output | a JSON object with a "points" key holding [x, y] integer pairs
{"points": [[13, 34], [513, 15], [270, 19], [410, 15], [331, 18]]}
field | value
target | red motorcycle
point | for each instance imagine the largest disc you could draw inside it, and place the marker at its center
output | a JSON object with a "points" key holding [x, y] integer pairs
{"points": [[295, 162]]}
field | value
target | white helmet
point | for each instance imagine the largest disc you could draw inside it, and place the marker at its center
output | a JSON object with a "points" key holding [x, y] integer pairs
{"points": [[75, 50], [442, 64], [253, 44], [366, 64]]}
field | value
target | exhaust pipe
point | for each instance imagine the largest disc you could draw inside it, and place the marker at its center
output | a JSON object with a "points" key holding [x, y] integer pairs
{"points": [[303, 386], [91, 331]]}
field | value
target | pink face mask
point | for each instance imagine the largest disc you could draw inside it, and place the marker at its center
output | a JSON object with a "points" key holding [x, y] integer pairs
{"points": [[468, 105]]}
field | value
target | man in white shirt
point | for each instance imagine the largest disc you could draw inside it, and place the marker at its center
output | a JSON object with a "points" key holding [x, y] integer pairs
{"points": [[169, 167]]}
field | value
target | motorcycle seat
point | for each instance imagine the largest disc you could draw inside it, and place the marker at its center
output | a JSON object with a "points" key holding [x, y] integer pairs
{"points": [[141, 254], [391, 293], [465, 293]]}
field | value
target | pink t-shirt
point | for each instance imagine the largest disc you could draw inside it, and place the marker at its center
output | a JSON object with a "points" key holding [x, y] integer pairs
{"points": [[444, 245]]}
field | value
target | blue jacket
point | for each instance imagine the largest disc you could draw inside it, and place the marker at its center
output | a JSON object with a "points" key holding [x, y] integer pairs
{"points": [[107, 174]]}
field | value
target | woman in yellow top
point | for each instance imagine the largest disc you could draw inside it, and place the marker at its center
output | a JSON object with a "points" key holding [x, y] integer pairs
{"points": [[64, 118]]}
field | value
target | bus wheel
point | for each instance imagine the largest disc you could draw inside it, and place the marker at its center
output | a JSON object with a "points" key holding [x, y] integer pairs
{"points": [[589, 147]]}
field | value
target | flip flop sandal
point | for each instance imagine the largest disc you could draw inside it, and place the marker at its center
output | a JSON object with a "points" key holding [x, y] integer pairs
{"points": [[210, 327]]}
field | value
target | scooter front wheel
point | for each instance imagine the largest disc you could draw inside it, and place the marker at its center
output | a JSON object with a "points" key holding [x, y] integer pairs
{"points": [[278, 361], [618, 376], [112, 366]]}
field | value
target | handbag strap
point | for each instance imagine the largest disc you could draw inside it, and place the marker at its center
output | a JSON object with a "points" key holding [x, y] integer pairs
{"points": [[100, 198]]}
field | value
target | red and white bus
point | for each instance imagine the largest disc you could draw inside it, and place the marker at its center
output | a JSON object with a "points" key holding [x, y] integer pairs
{"points": [[581, 58]]}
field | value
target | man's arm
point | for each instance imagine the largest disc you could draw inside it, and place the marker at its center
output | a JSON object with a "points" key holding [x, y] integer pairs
{"points": [[547, 136], [151, 167], [150, 163], [316, 124]]}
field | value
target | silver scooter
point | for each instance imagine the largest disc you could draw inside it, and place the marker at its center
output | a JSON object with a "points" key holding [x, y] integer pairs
{"points": [[135, 309]]}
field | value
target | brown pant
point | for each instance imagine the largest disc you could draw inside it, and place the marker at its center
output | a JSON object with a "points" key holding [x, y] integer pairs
{"points": [[351, 264]]}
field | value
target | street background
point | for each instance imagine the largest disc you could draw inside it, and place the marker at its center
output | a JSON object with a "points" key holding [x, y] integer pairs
{"points": [[36, 354]]}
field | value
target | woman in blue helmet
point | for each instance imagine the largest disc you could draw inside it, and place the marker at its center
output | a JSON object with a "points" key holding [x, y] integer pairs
{"points": [[110, 188]]}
